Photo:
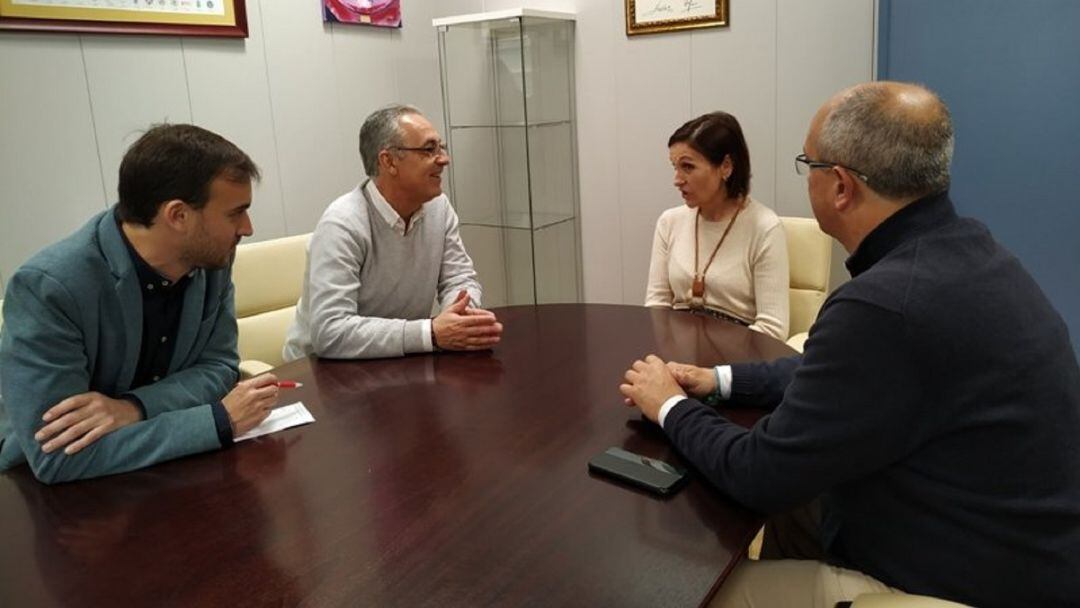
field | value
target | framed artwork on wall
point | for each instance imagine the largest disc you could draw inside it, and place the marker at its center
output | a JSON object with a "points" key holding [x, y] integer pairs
{"points": [[655, 16], [380, 13], [227, 18]]}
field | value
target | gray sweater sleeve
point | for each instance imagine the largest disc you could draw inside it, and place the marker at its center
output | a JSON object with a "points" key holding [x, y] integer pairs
{"points": [[456, 272], [336, 255]]}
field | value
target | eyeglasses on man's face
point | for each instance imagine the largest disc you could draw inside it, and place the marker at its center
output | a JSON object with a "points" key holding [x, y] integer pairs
{"points": [[803, 165], [428, 151]]}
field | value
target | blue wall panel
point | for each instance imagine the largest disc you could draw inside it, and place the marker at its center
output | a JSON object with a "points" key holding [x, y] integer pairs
{"points": [[1010, 73]]}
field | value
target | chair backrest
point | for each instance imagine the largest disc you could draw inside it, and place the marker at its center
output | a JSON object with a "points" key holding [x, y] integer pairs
{"points": [[809, 262], [268, 277]]}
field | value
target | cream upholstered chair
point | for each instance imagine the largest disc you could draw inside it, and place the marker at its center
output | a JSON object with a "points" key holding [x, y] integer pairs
{"points": [[809, 261], [268, 277]]}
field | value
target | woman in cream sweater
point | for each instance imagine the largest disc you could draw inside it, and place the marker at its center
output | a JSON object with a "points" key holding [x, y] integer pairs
{"points": [[722, 253]]}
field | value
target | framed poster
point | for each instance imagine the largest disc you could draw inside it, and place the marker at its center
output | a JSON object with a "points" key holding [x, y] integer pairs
{"points": [[166, 17], [655, 16], [381, 13]]}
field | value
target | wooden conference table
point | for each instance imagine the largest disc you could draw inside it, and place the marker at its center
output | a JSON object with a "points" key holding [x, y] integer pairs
{"points": [[434, 480]]}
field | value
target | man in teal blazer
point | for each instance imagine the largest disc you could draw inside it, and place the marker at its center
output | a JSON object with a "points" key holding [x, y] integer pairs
{"points": [[118, 348]]}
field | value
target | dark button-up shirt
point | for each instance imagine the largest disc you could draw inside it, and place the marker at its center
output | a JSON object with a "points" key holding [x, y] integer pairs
{"points": [[162, 303]]}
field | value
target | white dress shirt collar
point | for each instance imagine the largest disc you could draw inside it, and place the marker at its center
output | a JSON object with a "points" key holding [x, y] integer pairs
{"points": [[388, 213]]}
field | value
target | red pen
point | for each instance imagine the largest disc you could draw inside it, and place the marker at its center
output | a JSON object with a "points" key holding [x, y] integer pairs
{"points": [[289, 384]]}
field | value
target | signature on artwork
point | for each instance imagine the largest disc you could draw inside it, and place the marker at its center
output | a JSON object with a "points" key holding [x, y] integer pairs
{"points": [[665, 8]]}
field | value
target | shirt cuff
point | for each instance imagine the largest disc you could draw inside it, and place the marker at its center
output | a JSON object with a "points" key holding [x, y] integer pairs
{"points": [[222, 423], [425, 336], [723, 381], [667, 407]]}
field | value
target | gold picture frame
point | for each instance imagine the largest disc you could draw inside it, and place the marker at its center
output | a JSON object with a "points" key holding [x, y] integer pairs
{"points": [[226, 18], [656, 16]]}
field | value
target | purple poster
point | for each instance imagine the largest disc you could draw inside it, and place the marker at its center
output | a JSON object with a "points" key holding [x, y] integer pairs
{"points": [[383, 13]]}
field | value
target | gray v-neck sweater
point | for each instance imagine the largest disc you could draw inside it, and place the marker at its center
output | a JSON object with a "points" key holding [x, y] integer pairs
{"points": [[368, 290]]}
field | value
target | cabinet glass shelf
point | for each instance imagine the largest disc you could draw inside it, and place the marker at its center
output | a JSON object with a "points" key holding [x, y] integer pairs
{"points": [[520, 220], [549, 123]]}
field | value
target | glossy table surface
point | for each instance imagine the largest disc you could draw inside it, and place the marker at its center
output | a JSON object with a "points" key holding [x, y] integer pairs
{"points": [[444, 480]]}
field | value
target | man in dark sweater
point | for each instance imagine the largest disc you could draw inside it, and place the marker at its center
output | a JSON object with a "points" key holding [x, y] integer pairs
{"points": [[936, 410]]}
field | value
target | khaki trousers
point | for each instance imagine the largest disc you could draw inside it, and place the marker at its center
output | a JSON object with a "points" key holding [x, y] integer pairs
{"points": [[790, 571], [794, 583]]}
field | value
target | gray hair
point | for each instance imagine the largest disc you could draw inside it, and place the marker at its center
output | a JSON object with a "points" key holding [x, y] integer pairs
{"points": [[904, 150], [381, 131]]}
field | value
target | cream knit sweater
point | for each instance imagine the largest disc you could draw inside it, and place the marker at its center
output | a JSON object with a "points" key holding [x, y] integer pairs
{"points": [[747, 280]]}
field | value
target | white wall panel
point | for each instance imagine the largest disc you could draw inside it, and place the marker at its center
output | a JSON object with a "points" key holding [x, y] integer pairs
{"points": [[833, 33], [230, 95], [365, 81], [50, 180], [305, 106], [734, 70], [598, 157], [822, 47], [135, 81], [653, 88]]}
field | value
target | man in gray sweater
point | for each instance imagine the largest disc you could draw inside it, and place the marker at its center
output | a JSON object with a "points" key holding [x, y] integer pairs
{"points": [[382, 253]]}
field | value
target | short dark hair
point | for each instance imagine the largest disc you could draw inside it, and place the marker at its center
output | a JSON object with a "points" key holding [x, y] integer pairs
{"points": [[714, 136], [177, 162]]}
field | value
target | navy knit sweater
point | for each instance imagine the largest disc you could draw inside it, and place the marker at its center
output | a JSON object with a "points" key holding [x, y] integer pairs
{"points": [[936, 410]]}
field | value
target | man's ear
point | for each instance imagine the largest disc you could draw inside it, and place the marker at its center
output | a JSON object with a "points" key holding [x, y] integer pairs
{"points": [[844, 190], [387, 163], [175, 214]]}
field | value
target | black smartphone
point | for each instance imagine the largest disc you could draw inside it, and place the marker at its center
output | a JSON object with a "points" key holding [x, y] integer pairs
{"points": [[641, 471]]}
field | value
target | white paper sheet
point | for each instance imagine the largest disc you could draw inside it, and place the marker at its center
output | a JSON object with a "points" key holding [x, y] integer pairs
{"points": [[286, 416]]}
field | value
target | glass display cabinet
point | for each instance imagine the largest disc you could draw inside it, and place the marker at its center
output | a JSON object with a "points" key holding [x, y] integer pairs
{"points": [[508, 99]]}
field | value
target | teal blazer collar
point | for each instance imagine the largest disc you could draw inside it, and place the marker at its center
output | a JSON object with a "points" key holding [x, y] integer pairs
{"points": [[126, 285]]}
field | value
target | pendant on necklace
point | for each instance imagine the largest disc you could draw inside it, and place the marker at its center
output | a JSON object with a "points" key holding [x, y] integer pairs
{"points": [[698, 289]]}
